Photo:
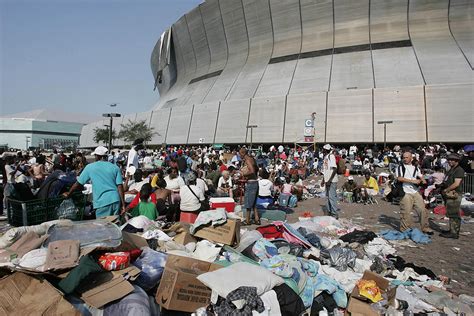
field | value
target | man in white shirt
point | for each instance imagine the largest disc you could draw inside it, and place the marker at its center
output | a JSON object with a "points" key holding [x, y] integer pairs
{"points": [[411, 178], [330, 180], [132, 159]]}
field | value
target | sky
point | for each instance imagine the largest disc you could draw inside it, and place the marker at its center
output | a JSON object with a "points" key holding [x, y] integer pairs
{"points": [[81, 55]]}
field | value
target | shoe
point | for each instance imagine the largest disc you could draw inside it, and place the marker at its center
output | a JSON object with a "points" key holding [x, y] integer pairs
{"points": [[449, 235], [245, 223], [256, 222]]}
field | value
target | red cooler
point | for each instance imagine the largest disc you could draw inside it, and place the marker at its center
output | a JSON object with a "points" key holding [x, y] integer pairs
{"points": [[222, 202]]}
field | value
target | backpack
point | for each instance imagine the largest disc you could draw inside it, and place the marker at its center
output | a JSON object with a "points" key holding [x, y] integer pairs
{"points": [[284, 199], [397, 186], [341, 166], [292, 201], [182, 164]]}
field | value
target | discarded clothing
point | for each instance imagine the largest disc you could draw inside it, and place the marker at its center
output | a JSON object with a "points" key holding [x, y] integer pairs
{"points": [[311, 237], [246, 293], [346, 279], [225, 280], [264, 249], [340, 258], [156, 234], [400, 265], [323, 301], [152, 264], [413, 233], [284, 247], [135, 303], [87, 265], [34, 260], [323, 283], [360, 236], [132, 229], [290, 303], [377, 247], [214, 217], [380, 265], [271, 304], [271, 231], [206, 251]]}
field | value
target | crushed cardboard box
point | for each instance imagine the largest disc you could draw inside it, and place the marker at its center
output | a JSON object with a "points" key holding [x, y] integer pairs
{"points": [[227, 234], [184, 238], [99, 289], [179, 289], [21, 294], [360, 305], [62, 254]]}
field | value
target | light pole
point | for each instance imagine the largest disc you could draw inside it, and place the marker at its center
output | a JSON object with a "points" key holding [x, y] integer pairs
{"points": [[251, 133], [111, 115], [27, 141], [384, 131]]}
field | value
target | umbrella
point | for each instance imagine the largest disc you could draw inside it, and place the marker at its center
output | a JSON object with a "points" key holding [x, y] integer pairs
{"points": [[469, 148]]}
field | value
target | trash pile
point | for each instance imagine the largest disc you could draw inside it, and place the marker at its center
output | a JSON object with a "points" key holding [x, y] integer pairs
{"points": [[316, 266]]}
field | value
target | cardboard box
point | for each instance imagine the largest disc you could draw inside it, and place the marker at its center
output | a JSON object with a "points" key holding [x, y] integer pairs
{"points": [[184, 238], [21, 294], [99, 289], [360, 305], [228, 233], [179, 289], [131, 241]]}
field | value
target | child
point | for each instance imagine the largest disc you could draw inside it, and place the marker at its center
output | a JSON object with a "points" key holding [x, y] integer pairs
{"points": [[145, 207]]}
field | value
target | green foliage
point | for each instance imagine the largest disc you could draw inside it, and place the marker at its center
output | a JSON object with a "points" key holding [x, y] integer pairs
{"points": [[133, 130], [101, 135]]}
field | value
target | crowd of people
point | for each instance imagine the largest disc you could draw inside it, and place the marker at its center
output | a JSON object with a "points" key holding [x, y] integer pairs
{"points": [[174, 179]]}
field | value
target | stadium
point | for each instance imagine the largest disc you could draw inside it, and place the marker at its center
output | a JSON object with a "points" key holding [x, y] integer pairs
{"points": [[342, 66]]}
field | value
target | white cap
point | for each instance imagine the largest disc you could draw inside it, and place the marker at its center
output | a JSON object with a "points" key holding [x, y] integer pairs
{"points": [[100, 151], [350, 178], [327, 147]]}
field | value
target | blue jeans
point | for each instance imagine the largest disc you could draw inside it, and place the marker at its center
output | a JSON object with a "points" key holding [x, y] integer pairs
{"points": [[108, 210], [251, 193], [331, 204]]}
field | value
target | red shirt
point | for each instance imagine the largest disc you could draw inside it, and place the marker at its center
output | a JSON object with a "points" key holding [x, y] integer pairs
{"points": [[222, 168]]}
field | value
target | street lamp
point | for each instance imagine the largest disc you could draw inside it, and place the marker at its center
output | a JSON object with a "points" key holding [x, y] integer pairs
{"points": [[384, 131], [111, 115], [251, 133], [27, 141]]}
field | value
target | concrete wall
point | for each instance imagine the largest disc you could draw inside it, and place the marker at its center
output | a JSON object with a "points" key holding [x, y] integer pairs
{"points": [[276, 60]]}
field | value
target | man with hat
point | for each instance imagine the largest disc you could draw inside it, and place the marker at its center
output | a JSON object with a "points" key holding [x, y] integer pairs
{"points": [[107, 188], [330, 180], [452, 195]]}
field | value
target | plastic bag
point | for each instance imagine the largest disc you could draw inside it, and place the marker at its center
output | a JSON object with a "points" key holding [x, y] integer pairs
{"points": [[152, 264], [369, 289], [67, 210]]}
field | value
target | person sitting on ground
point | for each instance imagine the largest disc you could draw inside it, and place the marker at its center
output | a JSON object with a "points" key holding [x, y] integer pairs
{"points": [[265, 186], [200, 182], [224, 186], [350, 187], [174, 183], [298, 186], [132, 187], [370, 186], [191, 196], [146, 207], [287, 187]]}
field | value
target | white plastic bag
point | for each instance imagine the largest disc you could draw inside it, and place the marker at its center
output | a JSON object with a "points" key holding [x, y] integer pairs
{"points": [[67, 210]]}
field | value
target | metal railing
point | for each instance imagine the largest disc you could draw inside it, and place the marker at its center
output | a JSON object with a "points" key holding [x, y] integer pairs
{"points": [[468, 183]]}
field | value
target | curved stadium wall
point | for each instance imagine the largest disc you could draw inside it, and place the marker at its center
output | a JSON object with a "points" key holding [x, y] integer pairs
{"points": [[228, 64]]}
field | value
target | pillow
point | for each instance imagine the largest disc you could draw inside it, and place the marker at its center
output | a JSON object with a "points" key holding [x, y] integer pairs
{"points": [[225, 280]]}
